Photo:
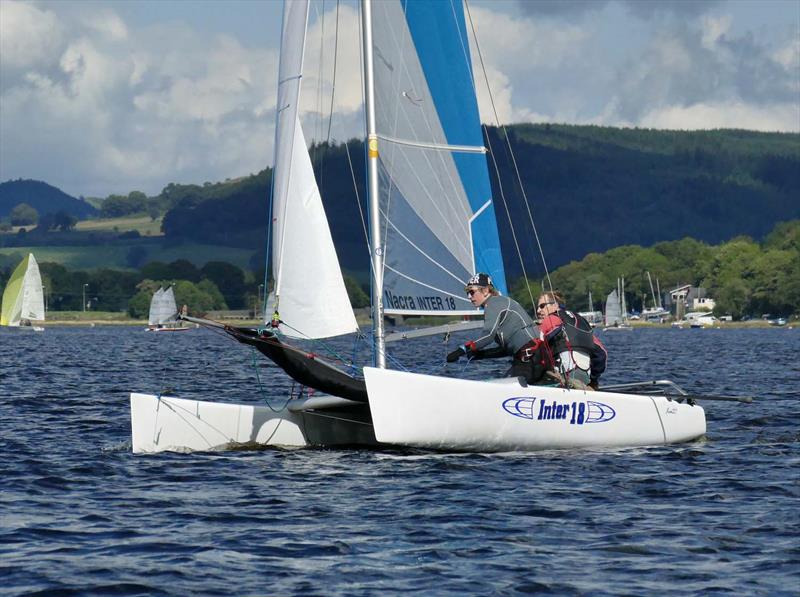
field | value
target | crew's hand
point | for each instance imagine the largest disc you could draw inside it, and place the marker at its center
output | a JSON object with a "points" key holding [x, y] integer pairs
{"points": [[456, 354], [594, 384]]}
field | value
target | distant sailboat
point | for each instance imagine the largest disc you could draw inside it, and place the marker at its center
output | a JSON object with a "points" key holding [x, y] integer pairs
{"points": [[592, 316], [657, 312], [616, 311], [163, 315], [23, 299]]}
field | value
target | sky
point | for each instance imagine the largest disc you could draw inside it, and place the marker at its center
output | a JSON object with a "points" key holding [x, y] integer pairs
{"points": [[100, 97]]}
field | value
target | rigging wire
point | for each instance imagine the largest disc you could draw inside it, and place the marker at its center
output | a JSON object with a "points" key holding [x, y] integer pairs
{"points": [[516, 168]]}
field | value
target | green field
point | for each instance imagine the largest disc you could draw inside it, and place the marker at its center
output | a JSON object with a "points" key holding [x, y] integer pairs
{"points": [[142, 223], [114, 256]]}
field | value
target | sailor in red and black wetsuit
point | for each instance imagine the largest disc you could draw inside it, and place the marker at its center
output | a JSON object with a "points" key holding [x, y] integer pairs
{"points": [[577, 354]]}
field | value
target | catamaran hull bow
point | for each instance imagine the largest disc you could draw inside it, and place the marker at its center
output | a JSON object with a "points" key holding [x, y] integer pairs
{"points": [[441, 413]]}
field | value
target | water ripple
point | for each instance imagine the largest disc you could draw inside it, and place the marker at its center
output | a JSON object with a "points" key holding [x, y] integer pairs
{"points": [[82, 516]]}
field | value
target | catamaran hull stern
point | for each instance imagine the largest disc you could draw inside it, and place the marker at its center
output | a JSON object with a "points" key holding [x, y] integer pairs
{"points": [[455, 414], [161, 424]]}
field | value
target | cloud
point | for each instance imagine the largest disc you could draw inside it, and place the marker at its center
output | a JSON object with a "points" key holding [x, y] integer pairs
{"points": [[644, 9], [28, 35], [699, 68], [101, 108], [525, 47], [717, 115], [97, 105], [650, 9]]}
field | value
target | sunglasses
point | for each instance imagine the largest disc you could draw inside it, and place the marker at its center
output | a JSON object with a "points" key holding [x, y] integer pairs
{"points": [[543, 305]]}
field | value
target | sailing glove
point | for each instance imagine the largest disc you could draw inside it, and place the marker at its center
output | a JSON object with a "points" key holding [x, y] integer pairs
{"points": [[456, 354]]}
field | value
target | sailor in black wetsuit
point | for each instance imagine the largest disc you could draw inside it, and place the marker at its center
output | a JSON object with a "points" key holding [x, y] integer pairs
{"points": [[578, 355]]}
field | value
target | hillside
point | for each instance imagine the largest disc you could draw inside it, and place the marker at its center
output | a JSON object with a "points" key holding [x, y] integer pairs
{"points": [[43, 197], [593, 188], [589, 188]]}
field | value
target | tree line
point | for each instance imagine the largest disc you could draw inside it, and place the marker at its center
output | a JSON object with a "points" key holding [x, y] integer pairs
{"points": [[217, 285], [744, 277]]}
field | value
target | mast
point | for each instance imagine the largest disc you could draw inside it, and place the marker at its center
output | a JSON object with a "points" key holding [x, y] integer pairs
{"points": [[376, 251], [653, 292]]}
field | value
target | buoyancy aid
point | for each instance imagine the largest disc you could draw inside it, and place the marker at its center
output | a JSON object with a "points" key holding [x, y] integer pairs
{"points": [[572, 342], [576, 333]]}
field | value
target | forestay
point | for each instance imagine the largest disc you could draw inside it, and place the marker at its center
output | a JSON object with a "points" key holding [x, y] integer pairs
{"points": [[23, 298], [437, 217], [310, 293]]}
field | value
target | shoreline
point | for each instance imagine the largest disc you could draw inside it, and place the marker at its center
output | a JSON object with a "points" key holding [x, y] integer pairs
{"points": [[71, 319]]}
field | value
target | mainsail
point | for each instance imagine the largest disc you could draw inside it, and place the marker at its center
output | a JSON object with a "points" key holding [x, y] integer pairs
{"points": [[23, 298], [162, 307], [155, 306], [438, 223], [311, 297], [613, 309]]}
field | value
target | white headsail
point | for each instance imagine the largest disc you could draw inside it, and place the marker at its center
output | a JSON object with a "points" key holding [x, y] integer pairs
{"points": [[311, 296]]}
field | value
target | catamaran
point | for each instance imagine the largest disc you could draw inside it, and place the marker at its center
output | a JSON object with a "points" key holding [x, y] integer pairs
{"points": [[431, 225], [23, 298]]}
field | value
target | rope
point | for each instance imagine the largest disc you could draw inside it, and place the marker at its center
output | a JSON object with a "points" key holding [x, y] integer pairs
{"points": [[261, 388]]}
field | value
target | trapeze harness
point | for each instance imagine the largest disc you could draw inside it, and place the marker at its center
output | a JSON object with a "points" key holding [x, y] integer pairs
{"points": [[575, 351]]}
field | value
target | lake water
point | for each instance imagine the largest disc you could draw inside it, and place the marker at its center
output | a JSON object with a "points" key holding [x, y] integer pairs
{"points": [[82, 515]]}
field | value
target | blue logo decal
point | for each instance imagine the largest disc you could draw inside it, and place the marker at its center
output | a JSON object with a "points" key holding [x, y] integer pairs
{"points": [[573, 413], [520, 407], [599, 412]]}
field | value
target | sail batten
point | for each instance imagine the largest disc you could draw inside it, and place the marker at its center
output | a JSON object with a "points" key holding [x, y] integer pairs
{"points": [[436, 146]]}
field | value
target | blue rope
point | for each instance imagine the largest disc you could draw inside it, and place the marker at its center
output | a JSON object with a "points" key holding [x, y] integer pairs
{"points": [[261, 387]]}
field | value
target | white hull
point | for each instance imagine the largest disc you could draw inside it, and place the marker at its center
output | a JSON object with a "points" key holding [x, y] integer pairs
{"points": [[161, 424], [456, 414], [421, 411]]}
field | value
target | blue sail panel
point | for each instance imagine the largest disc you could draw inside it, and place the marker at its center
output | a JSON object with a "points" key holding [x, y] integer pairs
{"points": [[438, 30]]}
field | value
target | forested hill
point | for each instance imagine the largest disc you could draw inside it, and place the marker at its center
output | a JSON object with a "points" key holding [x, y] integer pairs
{"points": [[590, 189], [594, 188], [41, 196]]}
